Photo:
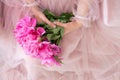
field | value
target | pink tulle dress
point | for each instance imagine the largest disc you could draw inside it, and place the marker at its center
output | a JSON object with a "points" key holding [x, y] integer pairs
{"points": [[91, 52]]}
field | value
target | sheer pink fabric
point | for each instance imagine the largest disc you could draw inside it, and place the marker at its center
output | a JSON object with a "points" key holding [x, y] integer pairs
{"points": [[111, 13], [91, 55]]}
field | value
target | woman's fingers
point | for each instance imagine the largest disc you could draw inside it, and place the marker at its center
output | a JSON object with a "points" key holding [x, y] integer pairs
{"points": [[60, 24], [49, 23], [70, 26], [44, 19], [41, 17]]}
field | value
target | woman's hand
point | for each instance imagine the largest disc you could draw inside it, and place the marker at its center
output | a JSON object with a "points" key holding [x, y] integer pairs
{"points": [[40, 16], [69, 27]]}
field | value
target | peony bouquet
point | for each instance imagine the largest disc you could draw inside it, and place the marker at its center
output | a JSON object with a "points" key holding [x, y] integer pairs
{"points": [[39, 40]]}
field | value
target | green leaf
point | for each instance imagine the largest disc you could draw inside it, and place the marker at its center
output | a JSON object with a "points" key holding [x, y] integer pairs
{"points": [[47, 26], [49, 36], [49, 14], [55, 37], [58, 42], [52, 20], [61, 32], [56, 30], [65, 17]]}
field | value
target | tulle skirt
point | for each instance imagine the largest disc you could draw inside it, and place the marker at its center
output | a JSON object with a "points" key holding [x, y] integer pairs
{"points": [[88, 54]]}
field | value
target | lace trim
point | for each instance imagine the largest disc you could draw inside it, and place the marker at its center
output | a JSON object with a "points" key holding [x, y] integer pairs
{"points": [[86, 21]]}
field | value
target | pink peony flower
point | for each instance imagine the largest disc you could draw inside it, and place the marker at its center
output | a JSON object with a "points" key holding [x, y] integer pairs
{"points": [[40, 31], [32, 48], [55, 49], [27, 22], [33, 35], [28, 37], [45, 51], [23, 27], [25, 31]]}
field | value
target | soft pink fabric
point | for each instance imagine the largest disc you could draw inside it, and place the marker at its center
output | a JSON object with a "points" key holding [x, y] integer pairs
{"points": [[89, 53]]}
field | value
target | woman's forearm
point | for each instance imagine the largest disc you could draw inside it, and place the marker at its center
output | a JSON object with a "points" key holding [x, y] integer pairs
{"points": [[34, 9], [83, 8]]}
